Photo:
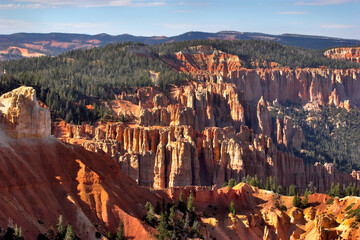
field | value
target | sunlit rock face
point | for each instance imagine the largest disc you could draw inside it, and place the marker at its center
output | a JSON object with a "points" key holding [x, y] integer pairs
{"points": [[348, 53], [22, 116]]}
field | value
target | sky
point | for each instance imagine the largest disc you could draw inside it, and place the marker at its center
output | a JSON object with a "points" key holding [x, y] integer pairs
{"points": [[333, 18]]}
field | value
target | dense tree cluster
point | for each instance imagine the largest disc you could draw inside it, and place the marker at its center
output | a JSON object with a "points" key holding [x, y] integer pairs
{"points": [[258, 50], [174, 221], [69, 82], [332, 135]]}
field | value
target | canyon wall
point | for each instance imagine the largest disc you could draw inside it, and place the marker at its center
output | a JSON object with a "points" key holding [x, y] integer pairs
{"points": [[301, 85], [180, 156]]}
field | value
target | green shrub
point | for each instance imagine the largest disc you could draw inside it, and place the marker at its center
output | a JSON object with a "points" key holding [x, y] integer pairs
{"points": [[329, 201]]}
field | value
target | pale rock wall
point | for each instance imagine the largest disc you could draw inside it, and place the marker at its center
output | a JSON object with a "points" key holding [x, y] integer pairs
{"points": [[21, 115]]}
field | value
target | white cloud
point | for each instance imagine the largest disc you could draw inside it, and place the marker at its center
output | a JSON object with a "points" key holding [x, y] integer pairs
{"points": [[81, 27], [324, 2], [336, 26], [18, 5], [8, 25], [195, 27], [80, 3], [292, 13]]}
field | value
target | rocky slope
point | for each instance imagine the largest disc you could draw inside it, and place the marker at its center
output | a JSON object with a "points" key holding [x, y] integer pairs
{"points": [[41, 178], [347, 53], [259, 216]]}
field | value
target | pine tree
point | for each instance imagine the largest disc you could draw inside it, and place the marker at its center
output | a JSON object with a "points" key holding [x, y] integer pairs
{"points": [[357, 216], [163, 227], [292, 190], [18, 233], [335, 190], [273, 184], [157, 207], [280, 189], [172, 216], [267, 184], [70, 234], [232, 208], [190, 203], [305, 200], [296, 200], [181, 205], [150, 215], [231, 183], [120, 230], [60, 228]]}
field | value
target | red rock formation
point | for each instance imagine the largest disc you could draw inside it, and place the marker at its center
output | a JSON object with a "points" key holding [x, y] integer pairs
{"points": [[203, 61], [180, 156], [298, 86], [348, 53]]}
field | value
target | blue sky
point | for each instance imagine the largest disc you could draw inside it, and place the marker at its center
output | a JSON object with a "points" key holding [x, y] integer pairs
{"points": [[334, 18]]}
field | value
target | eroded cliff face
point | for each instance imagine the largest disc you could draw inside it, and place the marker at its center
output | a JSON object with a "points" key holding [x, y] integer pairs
{"points": [[303, 85], [198, 105], [347, 53], [180, 156]]}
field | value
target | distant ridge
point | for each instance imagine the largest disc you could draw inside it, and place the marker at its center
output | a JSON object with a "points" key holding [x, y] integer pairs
{"points": [[18, 45]]}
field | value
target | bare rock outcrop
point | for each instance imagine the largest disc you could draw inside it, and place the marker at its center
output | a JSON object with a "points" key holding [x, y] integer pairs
{"points": [[205, 62], [348, 53], [21, 115], [288, 134], [263, 117], [199, 105]]}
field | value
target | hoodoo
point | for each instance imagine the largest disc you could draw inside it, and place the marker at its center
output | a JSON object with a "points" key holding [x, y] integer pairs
{"points": [[21, 115]]}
